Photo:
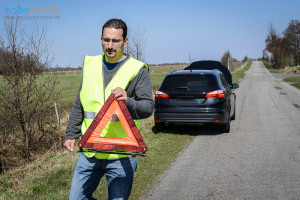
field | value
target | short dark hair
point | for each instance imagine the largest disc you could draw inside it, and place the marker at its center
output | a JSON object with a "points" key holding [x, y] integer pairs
{"points": [[116, 23]]}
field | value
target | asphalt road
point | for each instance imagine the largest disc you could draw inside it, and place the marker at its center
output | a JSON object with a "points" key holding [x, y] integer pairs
{"points": [[259, 158]]}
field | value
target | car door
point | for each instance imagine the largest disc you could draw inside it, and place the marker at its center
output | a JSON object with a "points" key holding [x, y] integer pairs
{"points": [[230, 92]]}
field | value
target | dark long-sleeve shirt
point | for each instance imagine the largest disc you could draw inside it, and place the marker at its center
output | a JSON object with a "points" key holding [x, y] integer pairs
{"points": [[140, 102]]}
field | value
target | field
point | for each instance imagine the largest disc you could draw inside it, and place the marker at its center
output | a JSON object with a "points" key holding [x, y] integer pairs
{"points": [[69, 82], [50, 175]]}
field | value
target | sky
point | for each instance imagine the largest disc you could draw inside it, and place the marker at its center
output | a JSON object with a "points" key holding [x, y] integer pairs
{"points": [[176, 31]]}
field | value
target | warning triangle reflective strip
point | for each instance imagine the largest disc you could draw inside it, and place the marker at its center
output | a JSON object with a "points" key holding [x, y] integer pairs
{"points": [[111, 111]]}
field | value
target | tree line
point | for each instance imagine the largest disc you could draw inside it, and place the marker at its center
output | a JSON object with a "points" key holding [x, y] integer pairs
{"points": [[283, 49]]}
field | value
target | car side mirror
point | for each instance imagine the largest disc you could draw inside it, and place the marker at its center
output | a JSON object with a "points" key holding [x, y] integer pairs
{"points": [[235, 86]]}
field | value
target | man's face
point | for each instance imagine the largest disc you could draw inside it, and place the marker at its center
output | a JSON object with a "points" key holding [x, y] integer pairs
{"points": [[113, 44]]}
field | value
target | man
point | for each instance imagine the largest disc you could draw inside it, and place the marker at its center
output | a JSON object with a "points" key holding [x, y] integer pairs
{"points": [[126, 79]]}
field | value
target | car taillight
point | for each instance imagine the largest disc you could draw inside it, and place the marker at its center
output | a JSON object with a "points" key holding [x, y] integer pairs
{"points": [[161, 95], [216, 94]]}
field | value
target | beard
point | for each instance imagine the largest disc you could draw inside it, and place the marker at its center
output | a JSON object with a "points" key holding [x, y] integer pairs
{"points": [[110, 53]]}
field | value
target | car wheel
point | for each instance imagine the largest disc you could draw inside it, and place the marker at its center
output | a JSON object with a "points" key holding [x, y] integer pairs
{"points": [[159, 126], [233, 116], [226, 127]]}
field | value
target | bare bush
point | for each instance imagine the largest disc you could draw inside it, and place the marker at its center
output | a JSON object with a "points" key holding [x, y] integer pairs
{"points": [[136, 43], [25, 95], [245, 59], [225, 58]]}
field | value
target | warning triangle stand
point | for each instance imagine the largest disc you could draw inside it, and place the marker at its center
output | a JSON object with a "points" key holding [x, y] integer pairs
{"points": [[113, 110]]}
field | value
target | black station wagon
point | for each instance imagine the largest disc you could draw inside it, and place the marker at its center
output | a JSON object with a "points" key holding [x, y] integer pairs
{"points": [[200, 94]]}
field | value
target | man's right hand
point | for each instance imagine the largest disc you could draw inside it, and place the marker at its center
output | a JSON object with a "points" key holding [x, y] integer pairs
{"points": [[70, 144]]}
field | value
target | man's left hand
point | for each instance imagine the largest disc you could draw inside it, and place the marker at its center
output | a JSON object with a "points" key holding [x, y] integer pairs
{"points": [[119, 94]]}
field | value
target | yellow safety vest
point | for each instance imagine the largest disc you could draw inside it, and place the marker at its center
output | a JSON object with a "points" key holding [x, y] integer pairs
{"points": [[93, 95]]}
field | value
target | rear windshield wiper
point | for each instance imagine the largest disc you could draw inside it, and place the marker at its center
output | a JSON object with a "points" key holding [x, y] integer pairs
{"points": [[180, 88]]}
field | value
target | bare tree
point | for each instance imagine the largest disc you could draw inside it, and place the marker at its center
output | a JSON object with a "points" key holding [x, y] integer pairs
{"points": [[25, 94], [278, 47], [245, 59], [136, 43], [292, 35], [225, 58], [265, 56]]}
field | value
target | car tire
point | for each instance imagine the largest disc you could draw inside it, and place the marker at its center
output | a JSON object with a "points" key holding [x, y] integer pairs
{"points": [[226, 127], [233, 116], [159, 126]]}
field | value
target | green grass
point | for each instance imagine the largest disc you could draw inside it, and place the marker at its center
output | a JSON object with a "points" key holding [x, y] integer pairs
{"points": [[49, 177], [296, 85], [270, 68], [157, 75], [68, 85], [294, 81], [239, 74]]}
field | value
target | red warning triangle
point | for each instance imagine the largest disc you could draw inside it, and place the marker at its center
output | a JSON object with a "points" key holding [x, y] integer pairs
{"points": [[93, 141]]}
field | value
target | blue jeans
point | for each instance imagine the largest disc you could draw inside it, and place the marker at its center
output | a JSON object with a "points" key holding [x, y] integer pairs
{"points": [[89, 171]]}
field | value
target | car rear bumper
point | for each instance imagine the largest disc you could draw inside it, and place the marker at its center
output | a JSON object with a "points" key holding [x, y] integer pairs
{"points": [[208, 117]]}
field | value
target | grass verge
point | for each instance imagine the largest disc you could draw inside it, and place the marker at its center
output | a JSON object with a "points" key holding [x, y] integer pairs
{"points": [[269, 67], [239, 74], [294, 81], [285, 70]]}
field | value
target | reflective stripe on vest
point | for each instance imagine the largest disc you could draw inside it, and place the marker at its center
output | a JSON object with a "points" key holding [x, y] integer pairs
{"points": [[93, 96], [92, 115]]}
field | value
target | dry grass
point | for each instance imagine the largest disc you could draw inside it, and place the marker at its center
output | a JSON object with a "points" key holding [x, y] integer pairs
{"points": [[285, 70], [43, 142], [44, 177], [289, 70]]}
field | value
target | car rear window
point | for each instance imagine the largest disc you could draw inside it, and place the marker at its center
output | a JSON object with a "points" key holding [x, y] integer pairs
{"points": [[204, 83]]}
